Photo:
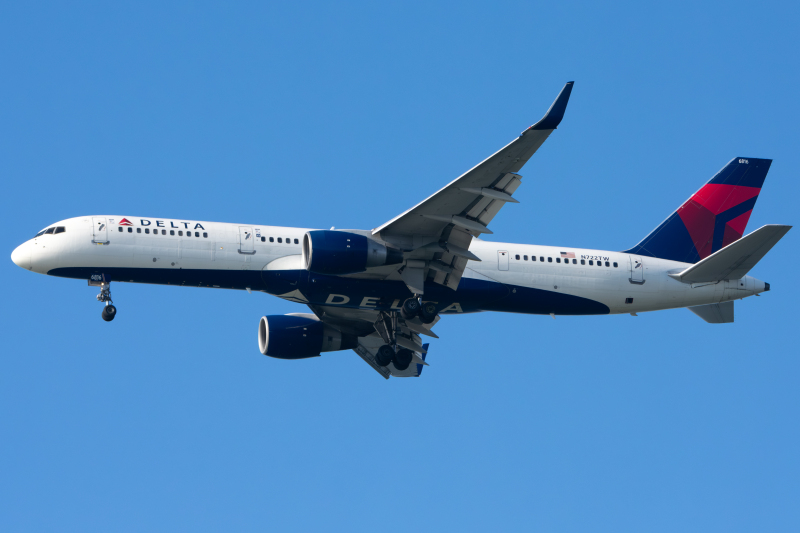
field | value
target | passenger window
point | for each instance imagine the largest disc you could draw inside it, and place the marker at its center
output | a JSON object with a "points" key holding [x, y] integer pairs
{"points": [[288, 241], [615, 265], [147, 231], [591, 263], [607, 264], [296, 241], [271, 239], [196, 233], [541, 259], [138, 230], [172, 232], [180, 233], [263, 239], [188, 233], [130, 230], [279, 239], [525, 257], [583, 261], [549, 259], [49, 231], [120, 229], [599, 263], [205, 235], [516, 257], [558, 259]]}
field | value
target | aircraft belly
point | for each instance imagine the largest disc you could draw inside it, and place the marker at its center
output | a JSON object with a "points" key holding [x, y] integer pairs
{"points": [[192, 277]]}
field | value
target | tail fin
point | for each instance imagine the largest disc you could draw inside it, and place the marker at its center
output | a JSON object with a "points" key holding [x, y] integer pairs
{"points": [[712, 218]]}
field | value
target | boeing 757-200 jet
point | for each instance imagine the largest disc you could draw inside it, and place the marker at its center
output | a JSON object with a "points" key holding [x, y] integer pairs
{"points": [[379, 291]]}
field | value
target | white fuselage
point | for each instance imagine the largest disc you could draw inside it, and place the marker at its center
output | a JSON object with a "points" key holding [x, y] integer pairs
{"points": [[624, 283]]}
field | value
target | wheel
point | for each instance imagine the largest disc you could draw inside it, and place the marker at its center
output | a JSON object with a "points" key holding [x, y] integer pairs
{"points": [[109, 312], [410, 308], [427, 313], [385, 355], [403, 358]]}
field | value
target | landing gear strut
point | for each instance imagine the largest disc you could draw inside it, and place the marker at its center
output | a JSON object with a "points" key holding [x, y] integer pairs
{"points": [[109, 311]]}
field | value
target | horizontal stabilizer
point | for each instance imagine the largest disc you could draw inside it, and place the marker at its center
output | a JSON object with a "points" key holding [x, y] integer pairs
{"points": [[735, 260], [721, 313]]}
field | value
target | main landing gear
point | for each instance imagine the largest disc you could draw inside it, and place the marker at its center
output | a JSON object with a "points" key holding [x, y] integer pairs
{"points": [[413, 307], [390, 352], [109, 311], [401, 358]]}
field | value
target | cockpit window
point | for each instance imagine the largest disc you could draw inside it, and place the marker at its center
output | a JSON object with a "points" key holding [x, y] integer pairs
{"points": [[60, 229], [49, 231], [40, 233]]}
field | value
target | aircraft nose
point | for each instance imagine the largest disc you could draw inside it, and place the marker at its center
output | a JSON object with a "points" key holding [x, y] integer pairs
{"points": [[22, 256]]}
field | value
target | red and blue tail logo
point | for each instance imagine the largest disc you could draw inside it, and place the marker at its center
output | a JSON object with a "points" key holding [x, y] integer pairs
{"points": [[712, 218]]}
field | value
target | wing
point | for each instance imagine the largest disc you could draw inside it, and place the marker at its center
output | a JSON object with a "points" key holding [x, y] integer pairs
{"points": [[436, 233]]}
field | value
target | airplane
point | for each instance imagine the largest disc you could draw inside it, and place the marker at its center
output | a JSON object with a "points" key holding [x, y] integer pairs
{"points": [[379, 291]]}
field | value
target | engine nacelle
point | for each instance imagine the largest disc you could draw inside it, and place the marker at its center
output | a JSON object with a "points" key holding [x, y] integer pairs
{"points": [[300, 336], [342, 252]]}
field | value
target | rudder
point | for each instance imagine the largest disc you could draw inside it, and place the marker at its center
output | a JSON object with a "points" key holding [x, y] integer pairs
{"points": [[712, 218]]}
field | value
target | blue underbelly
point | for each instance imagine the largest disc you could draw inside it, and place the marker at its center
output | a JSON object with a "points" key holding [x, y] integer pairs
{"points": [[472, 294]]}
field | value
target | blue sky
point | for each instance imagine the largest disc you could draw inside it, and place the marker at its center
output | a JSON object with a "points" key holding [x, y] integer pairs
{"points": [[345, 115]]}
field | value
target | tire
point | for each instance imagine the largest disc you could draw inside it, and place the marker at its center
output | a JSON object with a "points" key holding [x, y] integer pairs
{"points": [[410, 308], [385, 355], [402, 359], [427, 313], [109, 312]]}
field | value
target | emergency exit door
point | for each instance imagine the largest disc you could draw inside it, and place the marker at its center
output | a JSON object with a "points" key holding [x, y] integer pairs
{"points": [[99, 230], [502, 260], [246, 240], [637, 270]]}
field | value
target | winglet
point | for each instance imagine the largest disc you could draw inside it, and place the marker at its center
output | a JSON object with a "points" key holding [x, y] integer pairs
{"points": [[552, 118]]}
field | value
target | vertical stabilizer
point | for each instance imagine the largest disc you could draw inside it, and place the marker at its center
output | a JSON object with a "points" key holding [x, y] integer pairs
{"points": [[714, 217]]}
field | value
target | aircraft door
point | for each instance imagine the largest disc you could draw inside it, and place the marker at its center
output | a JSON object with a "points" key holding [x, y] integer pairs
{"points": [[637, 270], [99, 230], [502, 260], [246, 240]]}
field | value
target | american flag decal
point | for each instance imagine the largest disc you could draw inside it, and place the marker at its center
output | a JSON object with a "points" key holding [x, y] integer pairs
{"points": [[568, 255]]}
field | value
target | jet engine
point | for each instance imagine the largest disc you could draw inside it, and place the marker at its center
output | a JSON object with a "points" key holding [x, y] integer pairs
{"points": [[300, 336], [342, 252]]}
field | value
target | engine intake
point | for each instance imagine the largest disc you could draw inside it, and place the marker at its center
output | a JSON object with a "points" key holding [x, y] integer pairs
{"points": [[342, 252], [299, 337]]}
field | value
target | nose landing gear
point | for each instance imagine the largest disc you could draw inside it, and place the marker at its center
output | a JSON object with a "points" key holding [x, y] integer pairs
{"points": [[109, 311]]}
